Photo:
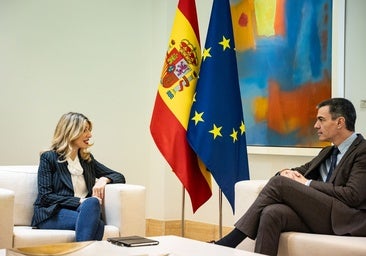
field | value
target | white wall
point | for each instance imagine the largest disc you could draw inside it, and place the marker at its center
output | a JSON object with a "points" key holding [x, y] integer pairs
{"points": [[355, 59], [104, 58]]}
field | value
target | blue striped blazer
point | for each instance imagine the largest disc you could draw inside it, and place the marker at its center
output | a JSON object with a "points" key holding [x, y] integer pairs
{"points": [[55, 189]]}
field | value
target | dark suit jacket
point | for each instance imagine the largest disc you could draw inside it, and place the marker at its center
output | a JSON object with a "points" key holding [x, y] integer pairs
{"points": [[55, 189], [347, 186]]}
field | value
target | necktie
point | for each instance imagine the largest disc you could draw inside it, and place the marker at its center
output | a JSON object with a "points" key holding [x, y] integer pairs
{"points": [[333, 162]]}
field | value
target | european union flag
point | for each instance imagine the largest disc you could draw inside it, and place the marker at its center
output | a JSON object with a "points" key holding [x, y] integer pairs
{"points": [[216, 130]]}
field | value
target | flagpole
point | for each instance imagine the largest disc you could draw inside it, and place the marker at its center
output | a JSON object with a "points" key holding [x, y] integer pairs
{"points": [[220, 213], [183, 207]]}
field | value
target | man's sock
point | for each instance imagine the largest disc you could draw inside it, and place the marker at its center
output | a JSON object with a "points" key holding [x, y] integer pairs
{"points": [[232, 239]]}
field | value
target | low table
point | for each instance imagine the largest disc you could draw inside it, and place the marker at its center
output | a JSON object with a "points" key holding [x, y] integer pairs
{"points": [[168, 246]]}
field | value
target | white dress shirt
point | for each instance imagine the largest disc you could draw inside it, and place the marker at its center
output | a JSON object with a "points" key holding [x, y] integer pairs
{"points": [[77, 177]]}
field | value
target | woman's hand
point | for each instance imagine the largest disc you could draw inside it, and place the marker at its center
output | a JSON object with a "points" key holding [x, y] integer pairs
{"points": [[99, 186], [83, 199]]}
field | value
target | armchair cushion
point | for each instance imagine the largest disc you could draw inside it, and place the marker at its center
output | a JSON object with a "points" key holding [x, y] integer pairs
{"points": [[25, 236]]}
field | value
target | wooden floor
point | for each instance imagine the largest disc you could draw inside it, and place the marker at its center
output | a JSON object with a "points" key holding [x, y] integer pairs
{"points": [[194, 230]]}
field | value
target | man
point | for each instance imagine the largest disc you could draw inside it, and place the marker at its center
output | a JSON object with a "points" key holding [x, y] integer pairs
{"points": [[306, 198]]}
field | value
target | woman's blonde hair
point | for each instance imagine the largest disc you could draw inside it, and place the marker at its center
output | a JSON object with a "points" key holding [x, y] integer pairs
{"points": [[69, 128]]}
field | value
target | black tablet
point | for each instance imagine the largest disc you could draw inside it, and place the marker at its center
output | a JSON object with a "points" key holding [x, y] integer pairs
{"points": [[132, 241]]}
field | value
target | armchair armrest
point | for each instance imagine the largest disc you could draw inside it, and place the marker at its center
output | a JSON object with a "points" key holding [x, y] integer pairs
{"points": [[124, 207], [6, 217], [246, 192]]}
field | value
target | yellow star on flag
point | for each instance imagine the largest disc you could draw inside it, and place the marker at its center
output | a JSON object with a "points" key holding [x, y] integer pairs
{"points": [[194, 97], [234, 135], [197, 117], [242, 128], [206, 53], [225, 43], [216, 131]]}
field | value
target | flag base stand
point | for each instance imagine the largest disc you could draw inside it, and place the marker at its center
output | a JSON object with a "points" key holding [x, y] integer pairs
{"points": [[183, 212], [183, 209], [220, 213]]}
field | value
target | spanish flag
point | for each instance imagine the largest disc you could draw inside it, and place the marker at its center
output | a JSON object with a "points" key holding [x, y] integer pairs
{"points": [[173, 104]]}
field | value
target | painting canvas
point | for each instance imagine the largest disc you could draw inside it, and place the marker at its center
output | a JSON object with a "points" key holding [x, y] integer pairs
{"points": [[284, 54]]}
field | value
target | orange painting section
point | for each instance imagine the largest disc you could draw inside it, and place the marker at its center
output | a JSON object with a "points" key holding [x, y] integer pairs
{"points": [[243, 25], [291, 111], [279, 24]]}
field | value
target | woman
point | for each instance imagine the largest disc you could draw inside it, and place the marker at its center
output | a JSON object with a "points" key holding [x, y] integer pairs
{"points": [[71, 182]]}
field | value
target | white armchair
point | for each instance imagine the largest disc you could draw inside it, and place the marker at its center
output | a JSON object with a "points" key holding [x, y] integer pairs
{"points": [[124, 210], [295, 243]]}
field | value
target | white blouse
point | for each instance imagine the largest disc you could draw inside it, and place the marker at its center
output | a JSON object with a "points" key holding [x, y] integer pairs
{"points": [[77, 177]]}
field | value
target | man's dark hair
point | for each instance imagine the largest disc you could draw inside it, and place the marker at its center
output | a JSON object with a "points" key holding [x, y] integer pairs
{"points": [[341, 107]]}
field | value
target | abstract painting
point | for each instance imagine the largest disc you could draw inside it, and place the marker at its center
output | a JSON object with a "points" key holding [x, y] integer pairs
{"points": [[284, 54]]}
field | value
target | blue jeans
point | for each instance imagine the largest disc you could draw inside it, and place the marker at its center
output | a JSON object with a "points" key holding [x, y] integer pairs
{"points": [[85, 220]]}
